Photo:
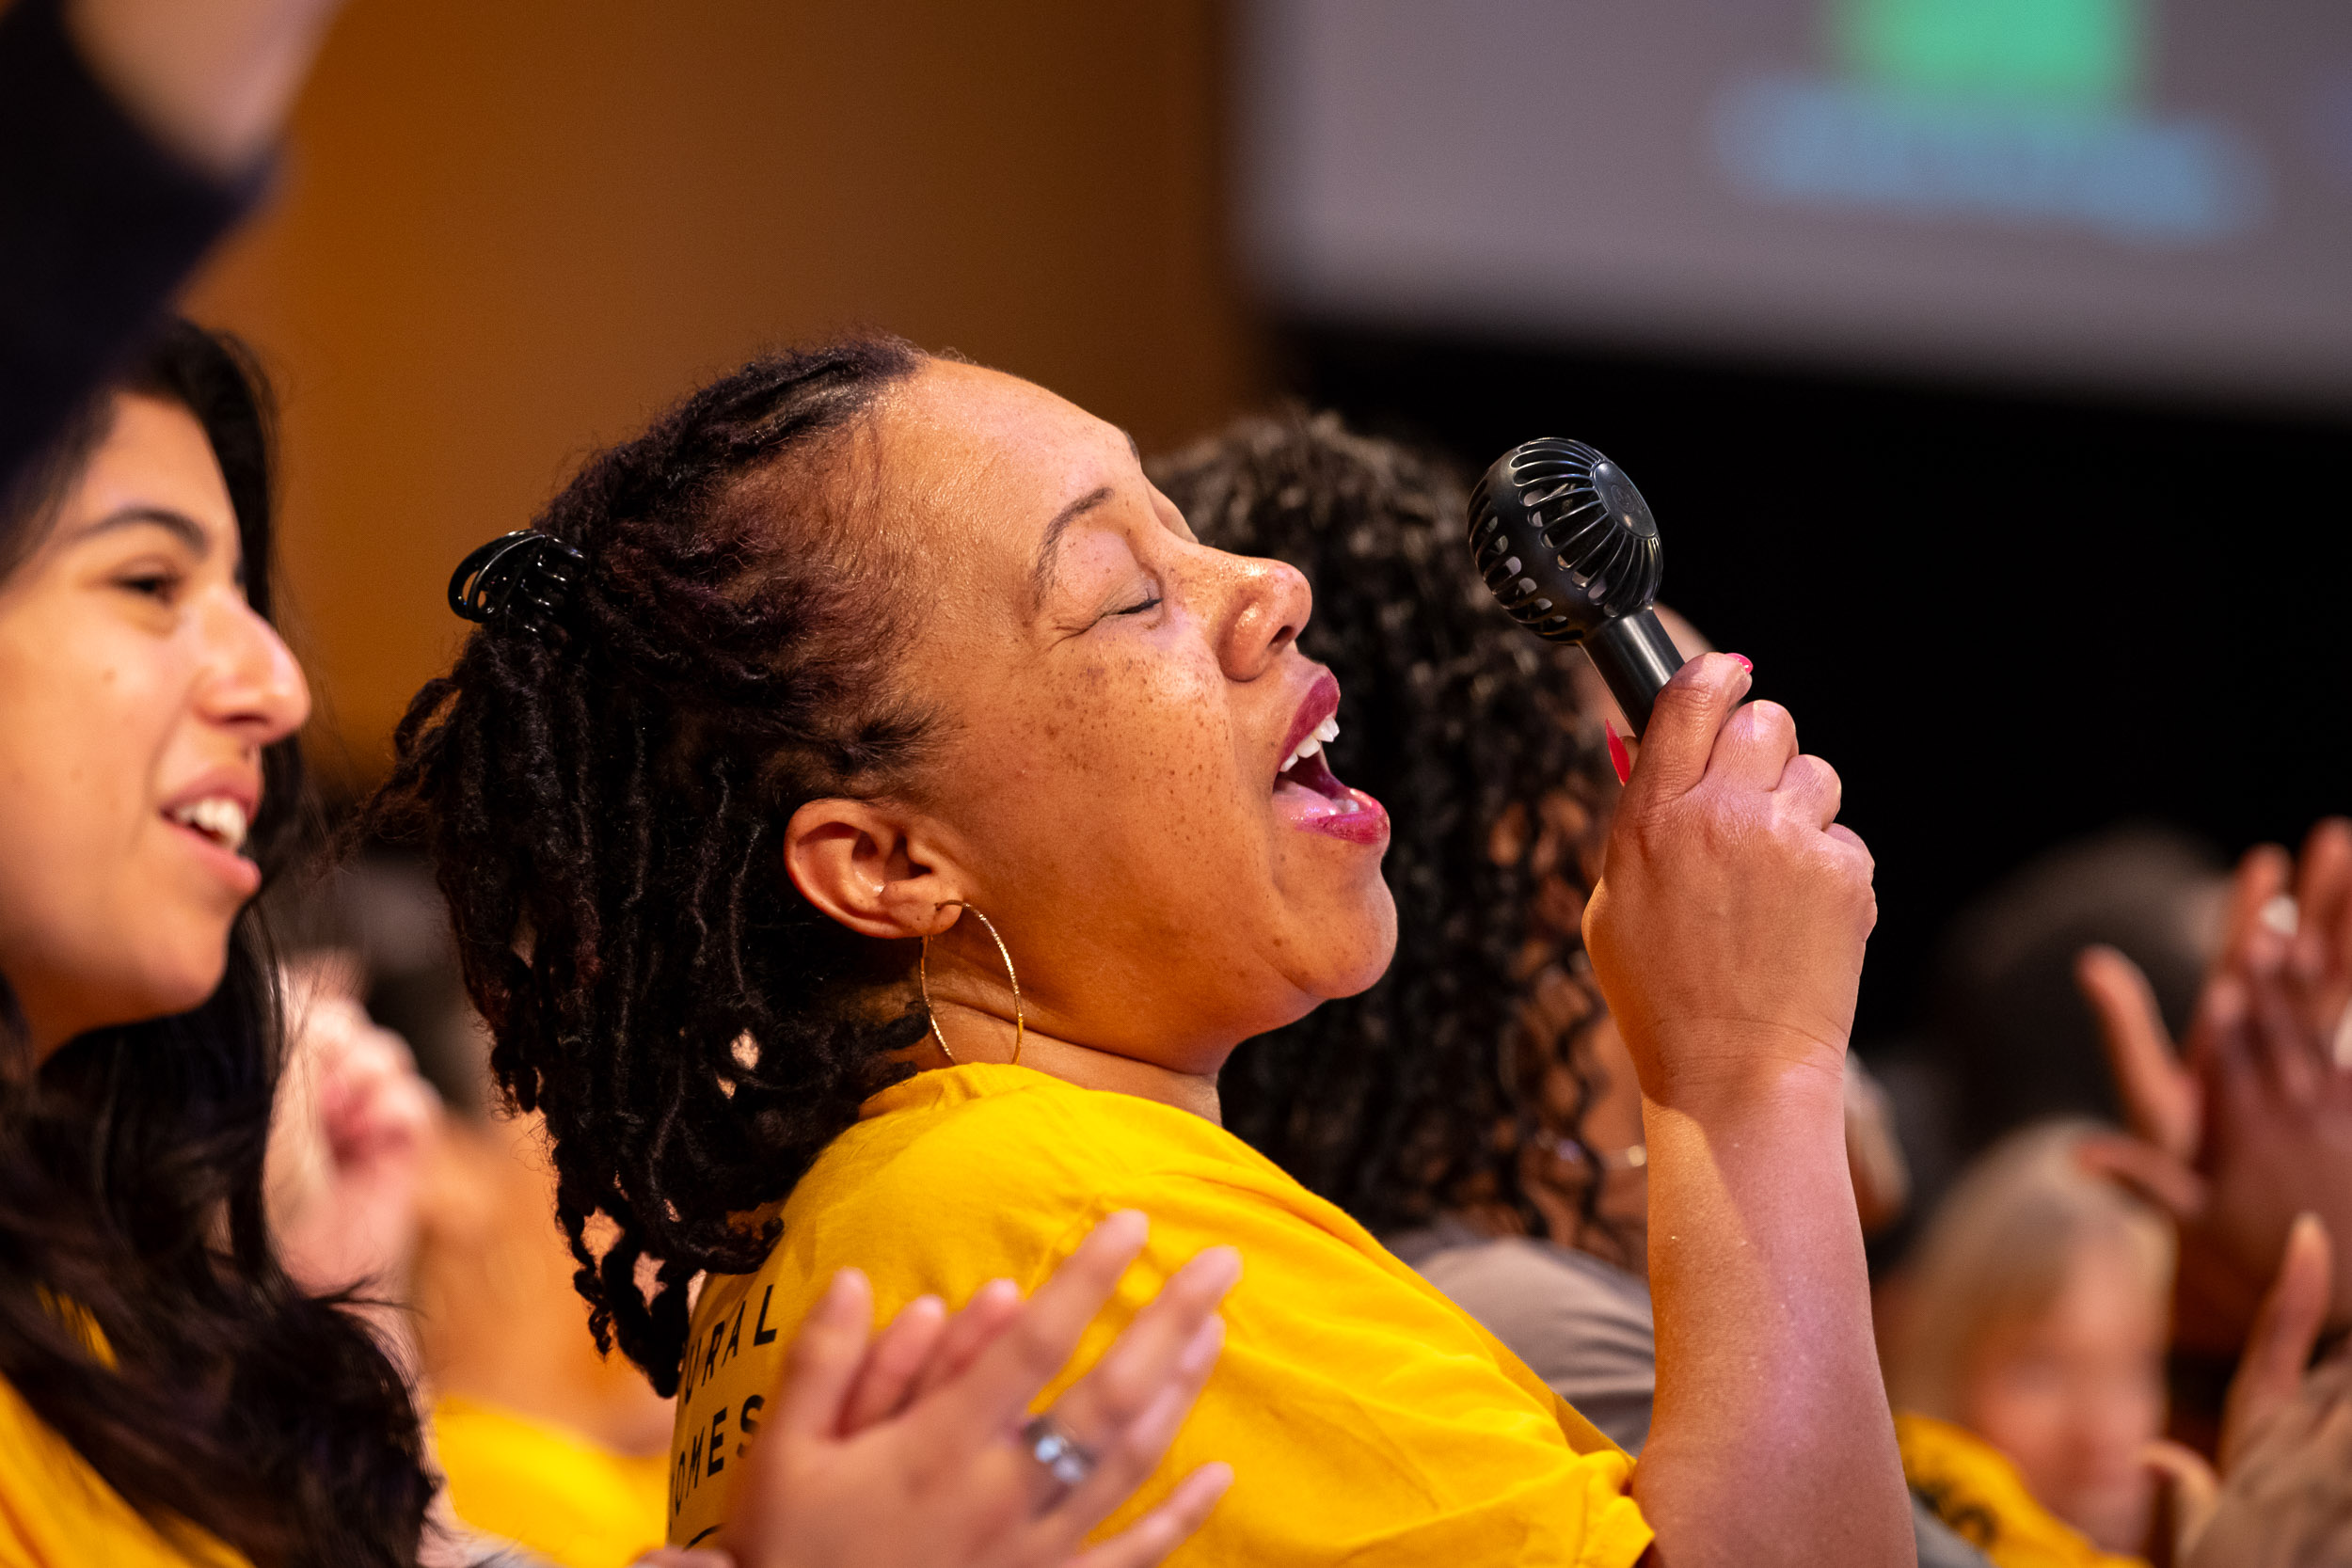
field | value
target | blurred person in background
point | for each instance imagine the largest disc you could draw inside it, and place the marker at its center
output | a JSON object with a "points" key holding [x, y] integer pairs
{"points": [[352, 1126], [858, 642], [544, 1442], [2010, 1041], [2024, 1353], [177, 1383], [2249, 1124], [1476, 1107]]}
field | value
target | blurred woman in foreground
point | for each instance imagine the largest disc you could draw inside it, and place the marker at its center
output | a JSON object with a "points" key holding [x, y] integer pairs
{"points": [[169, 1386], [854, 644], [168, 1393]]}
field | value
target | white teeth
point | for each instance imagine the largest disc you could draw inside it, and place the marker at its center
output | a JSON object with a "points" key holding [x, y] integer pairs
{"points": [[216, 817], [1317, 739]]}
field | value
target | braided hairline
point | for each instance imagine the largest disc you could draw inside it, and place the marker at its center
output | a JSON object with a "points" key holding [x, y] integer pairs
{"points": [[608, 805]]}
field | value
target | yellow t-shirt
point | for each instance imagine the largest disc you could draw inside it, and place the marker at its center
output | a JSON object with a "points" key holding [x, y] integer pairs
{"points": [[1367, 1419], [55, 1511], [573, 1501], [1976, 1489]]}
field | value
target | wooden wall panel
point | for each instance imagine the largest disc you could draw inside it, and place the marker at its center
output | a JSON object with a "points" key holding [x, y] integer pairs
{"points": [[508, 232]]}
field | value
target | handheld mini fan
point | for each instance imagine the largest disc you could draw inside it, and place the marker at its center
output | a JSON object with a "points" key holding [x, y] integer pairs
{"points": [[1567, 545]]}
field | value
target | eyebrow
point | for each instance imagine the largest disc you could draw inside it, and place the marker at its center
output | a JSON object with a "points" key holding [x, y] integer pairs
{"points": [[182, 526], [1049, 546], [186, 529]]}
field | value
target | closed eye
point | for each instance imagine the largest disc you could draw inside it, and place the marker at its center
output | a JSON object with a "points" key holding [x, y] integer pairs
{"points": [[1151, 604]]}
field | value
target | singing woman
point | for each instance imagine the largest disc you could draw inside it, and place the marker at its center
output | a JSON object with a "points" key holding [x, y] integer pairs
{"points": [[870, 818]]}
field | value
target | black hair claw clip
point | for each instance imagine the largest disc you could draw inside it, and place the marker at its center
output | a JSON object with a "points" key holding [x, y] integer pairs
{"points": [[522, 579]]}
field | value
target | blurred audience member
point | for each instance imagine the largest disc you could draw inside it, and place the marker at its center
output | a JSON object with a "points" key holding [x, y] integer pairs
{"points": [[2025, 1352], [2284, 1497], [133, 132], [2009, 1039], [2017, 1042], [543, 1440], [2250, 1123], [351, 1134]]}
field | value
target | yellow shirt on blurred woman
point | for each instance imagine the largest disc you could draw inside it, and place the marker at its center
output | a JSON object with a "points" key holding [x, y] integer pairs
{"points": [[572, 1501], [1367, 1419], [1976, 1489], [55, 1511]]}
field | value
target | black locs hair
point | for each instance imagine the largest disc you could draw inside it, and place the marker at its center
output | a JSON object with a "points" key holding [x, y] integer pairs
{"points": [[131, 1182], [1418, 1097], [603, 793]]}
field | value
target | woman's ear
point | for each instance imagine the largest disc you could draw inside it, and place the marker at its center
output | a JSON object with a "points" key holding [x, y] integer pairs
{"points": [[859, 862]]}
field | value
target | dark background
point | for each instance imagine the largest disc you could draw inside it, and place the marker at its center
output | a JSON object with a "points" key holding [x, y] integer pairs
{"points": [[2008, 619]]}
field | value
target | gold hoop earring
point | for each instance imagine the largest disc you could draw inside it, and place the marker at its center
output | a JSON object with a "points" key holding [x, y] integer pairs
{"points": [[923, 978]]}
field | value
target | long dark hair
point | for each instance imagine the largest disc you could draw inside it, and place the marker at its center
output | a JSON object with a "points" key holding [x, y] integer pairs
{"points": [[1419, 1096], [604, 803], [130, 1181]]}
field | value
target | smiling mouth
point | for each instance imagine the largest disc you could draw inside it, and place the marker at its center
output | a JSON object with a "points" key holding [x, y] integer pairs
{"points": [[216, 818]]}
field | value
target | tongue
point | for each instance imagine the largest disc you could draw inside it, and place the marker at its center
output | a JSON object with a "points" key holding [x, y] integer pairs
{"points": [[1311, 790]]}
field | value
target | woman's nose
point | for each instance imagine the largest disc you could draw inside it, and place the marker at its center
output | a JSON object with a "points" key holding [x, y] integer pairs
{"points": [[256, 686], [1269, 608]]}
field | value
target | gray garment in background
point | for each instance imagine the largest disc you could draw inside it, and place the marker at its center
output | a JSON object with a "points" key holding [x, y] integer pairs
{"points": [[1584, 1327], [1582, 1324]]}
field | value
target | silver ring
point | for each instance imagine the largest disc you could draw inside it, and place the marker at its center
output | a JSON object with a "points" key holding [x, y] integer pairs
{"points": [[1056, 1452]]}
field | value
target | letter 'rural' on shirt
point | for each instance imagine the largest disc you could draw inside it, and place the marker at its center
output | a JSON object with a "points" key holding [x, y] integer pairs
{"points": [[1367, 1419]]}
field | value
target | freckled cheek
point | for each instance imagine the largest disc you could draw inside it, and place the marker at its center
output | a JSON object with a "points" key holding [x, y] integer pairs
{"points": [[1144, 750]]}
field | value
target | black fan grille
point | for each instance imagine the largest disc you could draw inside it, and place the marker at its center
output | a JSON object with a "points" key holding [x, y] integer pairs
{"points": [[1562, 539]]}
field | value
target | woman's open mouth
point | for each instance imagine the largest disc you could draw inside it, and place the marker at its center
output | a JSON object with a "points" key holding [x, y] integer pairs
{"points": [[1306, 793], [214, 822]]}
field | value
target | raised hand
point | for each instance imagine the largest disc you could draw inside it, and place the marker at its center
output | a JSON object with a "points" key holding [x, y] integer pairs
{"points": [[1729, 924], [2285, 1497], [1726, 931], [906, 1452], [348, 1137], [212, 79], [2250, 1123]]}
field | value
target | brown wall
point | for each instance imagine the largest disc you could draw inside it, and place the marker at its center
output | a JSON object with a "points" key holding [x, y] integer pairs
{"points": [[510, 230]]}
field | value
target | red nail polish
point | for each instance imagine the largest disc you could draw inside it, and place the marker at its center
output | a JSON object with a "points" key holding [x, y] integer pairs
{"points": [[1744, 664], [1618, 758]]}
